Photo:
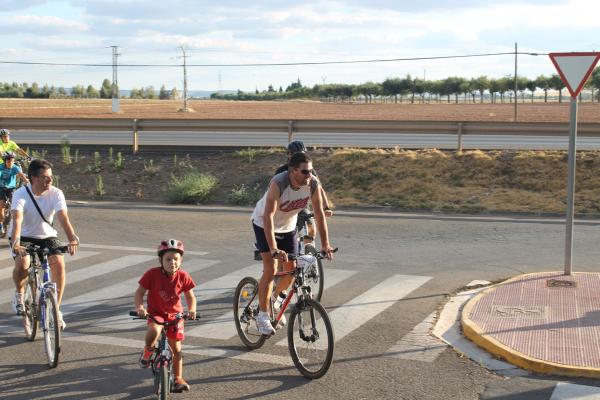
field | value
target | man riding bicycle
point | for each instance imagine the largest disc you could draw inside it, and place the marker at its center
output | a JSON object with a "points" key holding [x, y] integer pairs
{"points": [[9, 172], [8, 145], [297, 146], [33, 209], [274, 222]]}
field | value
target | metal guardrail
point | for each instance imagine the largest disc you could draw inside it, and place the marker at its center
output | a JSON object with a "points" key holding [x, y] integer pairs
{"points": [[460, 129]]}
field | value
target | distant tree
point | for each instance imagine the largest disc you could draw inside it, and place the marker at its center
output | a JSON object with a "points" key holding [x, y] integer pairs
{"points": [[294, 86], [106, 89], [136, 93], [595, 82], [270, 89], [62, 92], [531, 86], [91, 92], [174, 94], [543, 82], [557, 83], [33, 91], [481, 84], [77, 91], [163, 93], [149, 93]]}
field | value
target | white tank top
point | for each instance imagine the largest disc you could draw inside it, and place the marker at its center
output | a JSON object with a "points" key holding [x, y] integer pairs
{"points": [[291, 202]]}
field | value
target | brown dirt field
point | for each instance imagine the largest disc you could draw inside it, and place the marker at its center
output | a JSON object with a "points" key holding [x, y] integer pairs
{"points": [[296, 110]]}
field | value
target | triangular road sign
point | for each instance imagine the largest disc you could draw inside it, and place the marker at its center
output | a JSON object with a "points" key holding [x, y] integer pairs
{"points": [[574, 68]]}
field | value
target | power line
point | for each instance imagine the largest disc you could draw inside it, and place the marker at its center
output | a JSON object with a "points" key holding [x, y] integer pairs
{"points": [[277, 64]]}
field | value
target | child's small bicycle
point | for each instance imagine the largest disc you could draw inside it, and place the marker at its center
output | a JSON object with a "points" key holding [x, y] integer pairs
{"points": [[161, 360], [310, 333], [40, 304]]}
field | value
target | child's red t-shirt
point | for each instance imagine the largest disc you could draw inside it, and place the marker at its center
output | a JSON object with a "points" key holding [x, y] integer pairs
{"points": [[164, 291]]}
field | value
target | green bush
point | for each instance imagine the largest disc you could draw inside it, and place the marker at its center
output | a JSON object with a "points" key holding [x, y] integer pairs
{"points": [[244, 196], [192, 188], [65, 149]]}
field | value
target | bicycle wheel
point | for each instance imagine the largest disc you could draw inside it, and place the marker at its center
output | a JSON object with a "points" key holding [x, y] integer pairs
{"points": [[310, 338], [245, 311], [5, 220], [30, 315], [161, 382], [51, 329], [314, 275]]}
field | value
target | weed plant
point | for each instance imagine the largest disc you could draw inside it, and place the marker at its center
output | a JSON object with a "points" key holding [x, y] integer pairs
{"points": [[96, 166], [244, 196], [192, 188], [118, 162], [65, 149], [99, 186]]}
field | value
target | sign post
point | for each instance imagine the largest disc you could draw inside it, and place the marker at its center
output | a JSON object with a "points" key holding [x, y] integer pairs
{"points": [[574, 70]]}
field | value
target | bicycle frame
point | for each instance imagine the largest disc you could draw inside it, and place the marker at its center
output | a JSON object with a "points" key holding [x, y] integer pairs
{"points": [[45, 285]]}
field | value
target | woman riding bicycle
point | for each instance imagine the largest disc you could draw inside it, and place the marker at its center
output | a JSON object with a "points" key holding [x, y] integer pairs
{"points": [[164, 285], [274, 222]]}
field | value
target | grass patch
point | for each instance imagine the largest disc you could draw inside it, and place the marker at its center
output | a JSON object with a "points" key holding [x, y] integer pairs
{"points": [[192, 188], [250, 153]]}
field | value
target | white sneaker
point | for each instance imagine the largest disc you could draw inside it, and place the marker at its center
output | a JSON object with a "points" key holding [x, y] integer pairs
{"points": [[263, 323], [17, 304], [61, 321]]}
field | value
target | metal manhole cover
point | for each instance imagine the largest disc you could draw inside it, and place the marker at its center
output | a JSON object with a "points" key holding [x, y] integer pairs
{"points": [[560, 283], [519, 311]]}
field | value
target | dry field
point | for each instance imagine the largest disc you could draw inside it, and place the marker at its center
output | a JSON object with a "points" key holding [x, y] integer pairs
{"points": [[208, 109]]}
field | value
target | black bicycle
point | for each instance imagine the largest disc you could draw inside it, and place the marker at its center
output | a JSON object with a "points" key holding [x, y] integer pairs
{"points": [[40, 302], [310, 333], [161, 361]]}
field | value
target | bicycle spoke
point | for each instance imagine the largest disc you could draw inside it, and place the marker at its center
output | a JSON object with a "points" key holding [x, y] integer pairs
{"points": [[245, 309]]}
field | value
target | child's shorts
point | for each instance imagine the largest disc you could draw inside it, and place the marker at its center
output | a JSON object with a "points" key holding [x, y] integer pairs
{"points": [[174, 332]]}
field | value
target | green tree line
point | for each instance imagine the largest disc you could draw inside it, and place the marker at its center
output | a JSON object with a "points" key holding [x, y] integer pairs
{"points": [[413, 90], [34, 91]]}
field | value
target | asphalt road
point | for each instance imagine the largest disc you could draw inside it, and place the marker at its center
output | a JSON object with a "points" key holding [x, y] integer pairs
{"points": [[392, 272], [325, 139]]}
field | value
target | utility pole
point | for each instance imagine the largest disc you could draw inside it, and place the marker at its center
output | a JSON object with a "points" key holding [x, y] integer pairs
{"points": [[185, 91], [515, 117], [115, 83]]}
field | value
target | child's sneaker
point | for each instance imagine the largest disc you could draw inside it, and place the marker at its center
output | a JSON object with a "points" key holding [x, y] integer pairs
{"points": [[145, 357], [180, 386]]}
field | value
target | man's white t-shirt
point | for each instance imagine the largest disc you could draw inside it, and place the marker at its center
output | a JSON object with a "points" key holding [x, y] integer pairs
{"points": [[50, 202]]}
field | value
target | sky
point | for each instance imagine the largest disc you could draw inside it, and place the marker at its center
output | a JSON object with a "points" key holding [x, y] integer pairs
{"points": [[282, 31]]}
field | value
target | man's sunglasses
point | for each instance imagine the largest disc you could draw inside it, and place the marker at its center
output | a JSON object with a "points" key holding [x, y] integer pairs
{"points": [[307, 171]]}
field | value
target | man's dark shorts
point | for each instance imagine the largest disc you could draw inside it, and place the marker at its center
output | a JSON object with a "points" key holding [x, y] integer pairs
{"points": [[287, 241], [6, 193], [51, 243]]}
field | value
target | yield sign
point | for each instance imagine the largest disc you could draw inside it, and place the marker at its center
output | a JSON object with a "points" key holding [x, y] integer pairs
{"points": [[574, 68]]}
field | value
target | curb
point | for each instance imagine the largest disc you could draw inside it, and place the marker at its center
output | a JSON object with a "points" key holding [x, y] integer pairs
{"points": [[474, 333]]}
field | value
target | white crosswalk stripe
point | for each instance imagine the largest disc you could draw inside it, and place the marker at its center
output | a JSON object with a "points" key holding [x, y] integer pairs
{"points": [[121, 289], [361, 309], [85, 273], [570, 391], [223, 326], [6, 272]]}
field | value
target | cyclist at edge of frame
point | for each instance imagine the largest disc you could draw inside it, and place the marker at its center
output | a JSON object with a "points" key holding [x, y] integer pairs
{"points": [[274, 221], [9, 145], [30, 226], [9, 172]]}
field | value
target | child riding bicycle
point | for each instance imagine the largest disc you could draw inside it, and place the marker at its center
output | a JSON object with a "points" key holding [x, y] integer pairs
{"points": [[164, 285]]}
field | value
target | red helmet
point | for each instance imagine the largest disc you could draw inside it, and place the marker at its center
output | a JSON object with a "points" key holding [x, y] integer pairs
{"points": [[170, 244]]}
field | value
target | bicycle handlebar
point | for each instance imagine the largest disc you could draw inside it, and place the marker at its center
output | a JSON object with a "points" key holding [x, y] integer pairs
{"points": [[34, 248], [319, 255], [178, 317]]}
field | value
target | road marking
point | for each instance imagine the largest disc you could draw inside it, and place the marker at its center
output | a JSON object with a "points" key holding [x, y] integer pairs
{"points": [[121, 289], [90, 272], [6, 272], [188, 349], [223, 327], [125, 248], [418, 344], [570, 391], [205, 291], [374, 301]]}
